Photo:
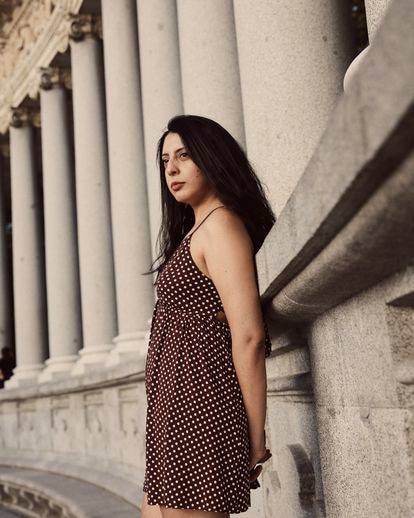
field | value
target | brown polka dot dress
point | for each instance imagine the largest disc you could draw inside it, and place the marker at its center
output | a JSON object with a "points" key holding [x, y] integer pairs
{"points": [[196, 444]]}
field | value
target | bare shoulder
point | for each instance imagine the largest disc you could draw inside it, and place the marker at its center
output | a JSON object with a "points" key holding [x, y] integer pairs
{"points": [[226, 227]]}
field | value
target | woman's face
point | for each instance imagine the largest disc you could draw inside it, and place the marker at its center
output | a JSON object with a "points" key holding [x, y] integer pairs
{"points": [[192, 186]]}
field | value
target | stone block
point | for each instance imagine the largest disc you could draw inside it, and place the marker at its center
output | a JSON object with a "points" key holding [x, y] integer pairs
{"points": [[364, 461]]}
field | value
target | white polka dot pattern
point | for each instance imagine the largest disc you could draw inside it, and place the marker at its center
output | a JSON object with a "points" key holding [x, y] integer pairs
{"points": [[197, 445]]}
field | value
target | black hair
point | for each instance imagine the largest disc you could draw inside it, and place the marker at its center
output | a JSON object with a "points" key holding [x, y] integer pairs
{"points": [[228, 171]]}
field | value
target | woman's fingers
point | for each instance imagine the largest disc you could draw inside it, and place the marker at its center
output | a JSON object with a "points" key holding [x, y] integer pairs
{"points": [[265, 457], [254, 473], [259, 460]]}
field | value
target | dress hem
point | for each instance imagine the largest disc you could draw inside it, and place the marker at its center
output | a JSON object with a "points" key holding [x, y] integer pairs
{"points": [[205, 508]]}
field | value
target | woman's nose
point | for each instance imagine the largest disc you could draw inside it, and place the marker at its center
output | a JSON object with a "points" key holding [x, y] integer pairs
{"points": [[170, 167]]}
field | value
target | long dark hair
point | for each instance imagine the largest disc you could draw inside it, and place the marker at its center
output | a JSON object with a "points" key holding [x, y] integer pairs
{"points": [[228, 171]]}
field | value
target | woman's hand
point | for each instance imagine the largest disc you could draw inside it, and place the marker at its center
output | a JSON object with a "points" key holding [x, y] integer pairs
{"points": [[255, 468], [257, 450], [257, 456]]}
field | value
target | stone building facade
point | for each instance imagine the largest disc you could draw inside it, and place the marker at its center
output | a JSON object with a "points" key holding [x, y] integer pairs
{"points": [[86, 89]]}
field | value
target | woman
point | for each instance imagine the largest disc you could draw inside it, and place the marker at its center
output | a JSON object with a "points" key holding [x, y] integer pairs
{"points": [[205, 375]]}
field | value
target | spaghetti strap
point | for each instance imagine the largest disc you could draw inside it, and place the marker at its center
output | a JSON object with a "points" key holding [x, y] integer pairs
{"points": [[202, 221]]}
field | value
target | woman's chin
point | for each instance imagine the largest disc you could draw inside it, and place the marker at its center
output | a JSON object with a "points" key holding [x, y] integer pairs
{"points": [[181, 198]]}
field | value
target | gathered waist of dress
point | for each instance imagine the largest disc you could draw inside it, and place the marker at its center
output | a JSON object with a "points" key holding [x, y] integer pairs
{"points": [[180, 311]]}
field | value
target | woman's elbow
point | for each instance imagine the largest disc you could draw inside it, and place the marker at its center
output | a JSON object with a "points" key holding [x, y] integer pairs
{"points": [[252, 341]]}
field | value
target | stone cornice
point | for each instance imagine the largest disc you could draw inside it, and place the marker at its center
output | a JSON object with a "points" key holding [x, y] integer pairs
{"points": [[38, 31]]}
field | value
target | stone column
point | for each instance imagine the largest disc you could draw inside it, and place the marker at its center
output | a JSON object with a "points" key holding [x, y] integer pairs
{"points": [[209, 62], [5, 285], [99, 316], [161, 89], [28, 269], [129, 204], [62, 273], [293, 56]]}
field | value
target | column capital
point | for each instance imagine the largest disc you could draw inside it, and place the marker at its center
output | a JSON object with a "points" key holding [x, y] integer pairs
{"points": [[50, 77], [85, 25], [23, 116]]}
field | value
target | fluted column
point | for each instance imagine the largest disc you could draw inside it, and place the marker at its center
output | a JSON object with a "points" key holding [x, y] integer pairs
{"points": [[293, 56], [28, 268], [209, 62], [99, 316], [129, 204], [5, 285], [161, 89], [62, 273]]}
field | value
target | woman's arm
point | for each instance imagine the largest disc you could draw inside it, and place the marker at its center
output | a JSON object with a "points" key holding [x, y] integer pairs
{"points": [[228, 254]]}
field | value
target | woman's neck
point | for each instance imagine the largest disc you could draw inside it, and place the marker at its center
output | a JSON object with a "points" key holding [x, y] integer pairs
{"points": [[202, 210]]}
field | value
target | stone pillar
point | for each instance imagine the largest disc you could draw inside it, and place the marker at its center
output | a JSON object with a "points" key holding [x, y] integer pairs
{"points": [[293, 56], [130, 218], [62, 273], [209, 62], [161, 89], [28, 269], [5, 285], [99, 316], [375, 10]]}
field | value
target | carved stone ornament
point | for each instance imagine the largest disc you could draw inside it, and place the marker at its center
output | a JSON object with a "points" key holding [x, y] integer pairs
{"points": [[31, 500], [7, 7], [85, 25], [23, 116], [54, 76], [36, 32]]}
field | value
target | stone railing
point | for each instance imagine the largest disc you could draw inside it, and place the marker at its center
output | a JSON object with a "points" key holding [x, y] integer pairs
{"points": [[91, 427], [336, 275]]}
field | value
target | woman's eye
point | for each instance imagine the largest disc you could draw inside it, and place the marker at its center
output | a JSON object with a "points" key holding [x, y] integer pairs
{"points": [[165, 160]]}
